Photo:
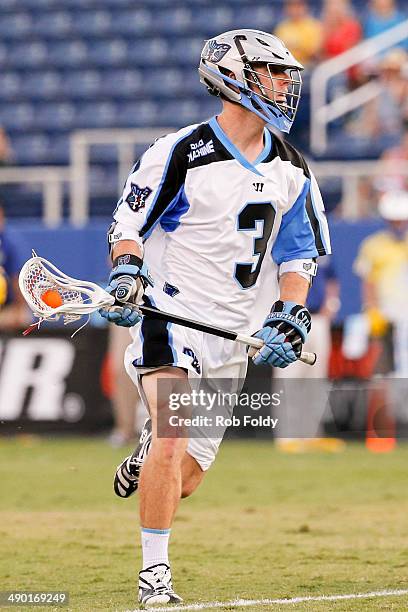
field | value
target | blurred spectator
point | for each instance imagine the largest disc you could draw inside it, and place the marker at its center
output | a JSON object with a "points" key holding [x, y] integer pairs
{"points": [[300, 431], [395, 157], [6, 153], [382, 15], [129, 412], [382, 263], [341, 29], [301, 32], [380, 123], [3, 286], [14, 314]]}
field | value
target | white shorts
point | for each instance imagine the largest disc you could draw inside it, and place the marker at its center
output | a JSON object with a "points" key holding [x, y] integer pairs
{"points": [[157, 344]]}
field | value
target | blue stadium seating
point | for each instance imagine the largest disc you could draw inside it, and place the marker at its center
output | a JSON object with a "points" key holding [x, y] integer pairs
{"points": [[132, 23], [69, 53], [27, 55], [82, 84], [17, 117], [72, 64], [41, 85], [96, 115], [122, 84], [10, 86], [53, 25], [105, 53], [16, 25]]}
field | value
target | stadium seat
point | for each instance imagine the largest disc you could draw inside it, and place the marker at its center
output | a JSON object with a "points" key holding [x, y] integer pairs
{"points": [[107, 53], [73, 53], [17, 117], [148, 51], [55, 117], [210, 21], [16, 26], [163, 82], [93, 23], [258, 17], [186, 51], [27, 55], [8, 5], [122, 83], [191, 85], [177, 113], [41, 85], [138, 114], [132, 23], [176, 21], [32, 149], [82, 84], [53, 25], [3, 55], [97, 115], [37, 5], [10, 86], [59, 149]]}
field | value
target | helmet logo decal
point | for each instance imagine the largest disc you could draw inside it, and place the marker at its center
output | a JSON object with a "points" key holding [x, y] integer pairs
{"points": [[215, 51]]}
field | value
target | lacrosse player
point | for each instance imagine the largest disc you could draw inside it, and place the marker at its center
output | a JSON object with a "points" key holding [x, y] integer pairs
{"points": [[221, 221]]}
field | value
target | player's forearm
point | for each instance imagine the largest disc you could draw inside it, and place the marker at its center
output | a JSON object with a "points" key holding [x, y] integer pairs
{"points": [[293, 288], [125, 247]]}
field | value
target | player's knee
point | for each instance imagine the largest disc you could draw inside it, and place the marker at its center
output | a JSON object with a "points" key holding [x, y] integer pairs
{"points": [[170, 450]]}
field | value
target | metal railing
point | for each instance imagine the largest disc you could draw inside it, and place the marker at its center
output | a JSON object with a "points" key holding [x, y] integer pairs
{"points": [[125, 140], [76, 176], [323, 112], [351, 173], [51, 180]]}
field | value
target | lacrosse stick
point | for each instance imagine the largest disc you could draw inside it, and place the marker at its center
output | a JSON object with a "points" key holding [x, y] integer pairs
{"points": [[80, 298]]}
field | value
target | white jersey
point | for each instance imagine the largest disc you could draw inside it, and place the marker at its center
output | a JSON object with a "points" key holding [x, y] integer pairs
{"points": [[215, 228]]}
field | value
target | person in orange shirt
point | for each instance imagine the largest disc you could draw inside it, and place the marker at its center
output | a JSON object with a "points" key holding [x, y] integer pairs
{"points": [[300, 31]]}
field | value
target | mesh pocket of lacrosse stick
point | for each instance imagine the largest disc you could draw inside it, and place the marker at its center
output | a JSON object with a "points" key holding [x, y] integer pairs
{"points": [[78, 297]]}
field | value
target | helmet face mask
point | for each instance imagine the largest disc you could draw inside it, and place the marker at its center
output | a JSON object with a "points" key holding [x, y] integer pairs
{"points": [[267, 77], [282, 92]]}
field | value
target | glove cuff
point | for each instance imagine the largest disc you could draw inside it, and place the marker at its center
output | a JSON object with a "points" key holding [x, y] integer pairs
{"points": [[294, 314], [127, 260], [131, 265]]}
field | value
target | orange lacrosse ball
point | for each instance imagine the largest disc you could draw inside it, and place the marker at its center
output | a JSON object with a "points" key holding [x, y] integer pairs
{"points": [[52, 298]]}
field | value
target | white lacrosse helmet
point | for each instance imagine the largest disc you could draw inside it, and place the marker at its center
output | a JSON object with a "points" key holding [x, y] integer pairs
{"points": [[239, 52], [393, 206]]}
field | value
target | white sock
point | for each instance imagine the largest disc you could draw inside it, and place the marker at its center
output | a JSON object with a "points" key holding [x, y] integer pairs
{"points": [[155, 544]]}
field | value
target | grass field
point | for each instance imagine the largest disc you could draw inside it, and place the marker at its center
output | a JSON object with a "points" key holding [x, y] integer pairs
{"points": [[262, 525]]}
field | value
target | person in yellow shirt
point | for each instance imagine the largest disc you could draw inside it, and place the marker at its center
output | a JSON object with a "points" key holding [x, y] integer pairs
{"points": [[3, 287], [300, 31], [382, 263]]}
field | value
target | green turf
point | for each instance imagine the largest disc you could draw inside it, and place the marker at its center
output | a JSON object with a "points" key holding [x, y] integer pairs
{"points": [[262, 525]]}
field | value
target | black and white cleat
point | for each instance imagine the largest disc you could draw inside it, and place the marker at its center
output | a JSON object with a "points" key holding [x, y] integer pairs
{"points": [[155, 586], [127, 474]]}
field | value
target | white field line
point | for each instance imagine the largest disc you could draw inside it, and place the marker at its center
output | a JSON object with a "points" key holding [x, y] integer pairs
{"points": [[244, 603]]}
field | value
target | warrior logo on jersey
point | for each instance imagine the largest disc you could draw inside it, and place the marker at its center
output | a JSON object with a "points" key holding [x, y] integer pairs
{"points": [[215, 51], [138, 196]]}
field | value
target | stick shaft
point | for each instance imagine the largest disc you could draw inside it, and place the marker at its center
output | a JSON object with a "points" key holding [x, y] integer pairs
{"points": [[309, 358]]}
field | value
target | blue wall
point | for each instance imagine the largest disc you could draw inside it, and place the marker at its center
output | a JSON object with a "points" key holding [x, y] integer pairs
{"points": [[84, 254]]}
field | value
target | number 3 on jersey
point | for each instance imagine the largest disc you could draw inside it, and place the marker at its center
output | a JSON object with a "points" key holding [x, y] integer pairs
{"points": [[249, 219]]}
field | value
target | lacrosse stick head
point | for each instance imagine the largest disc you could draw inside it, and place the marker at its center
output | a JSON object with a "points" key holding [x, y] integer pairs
{"points": [[39, 276]]}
